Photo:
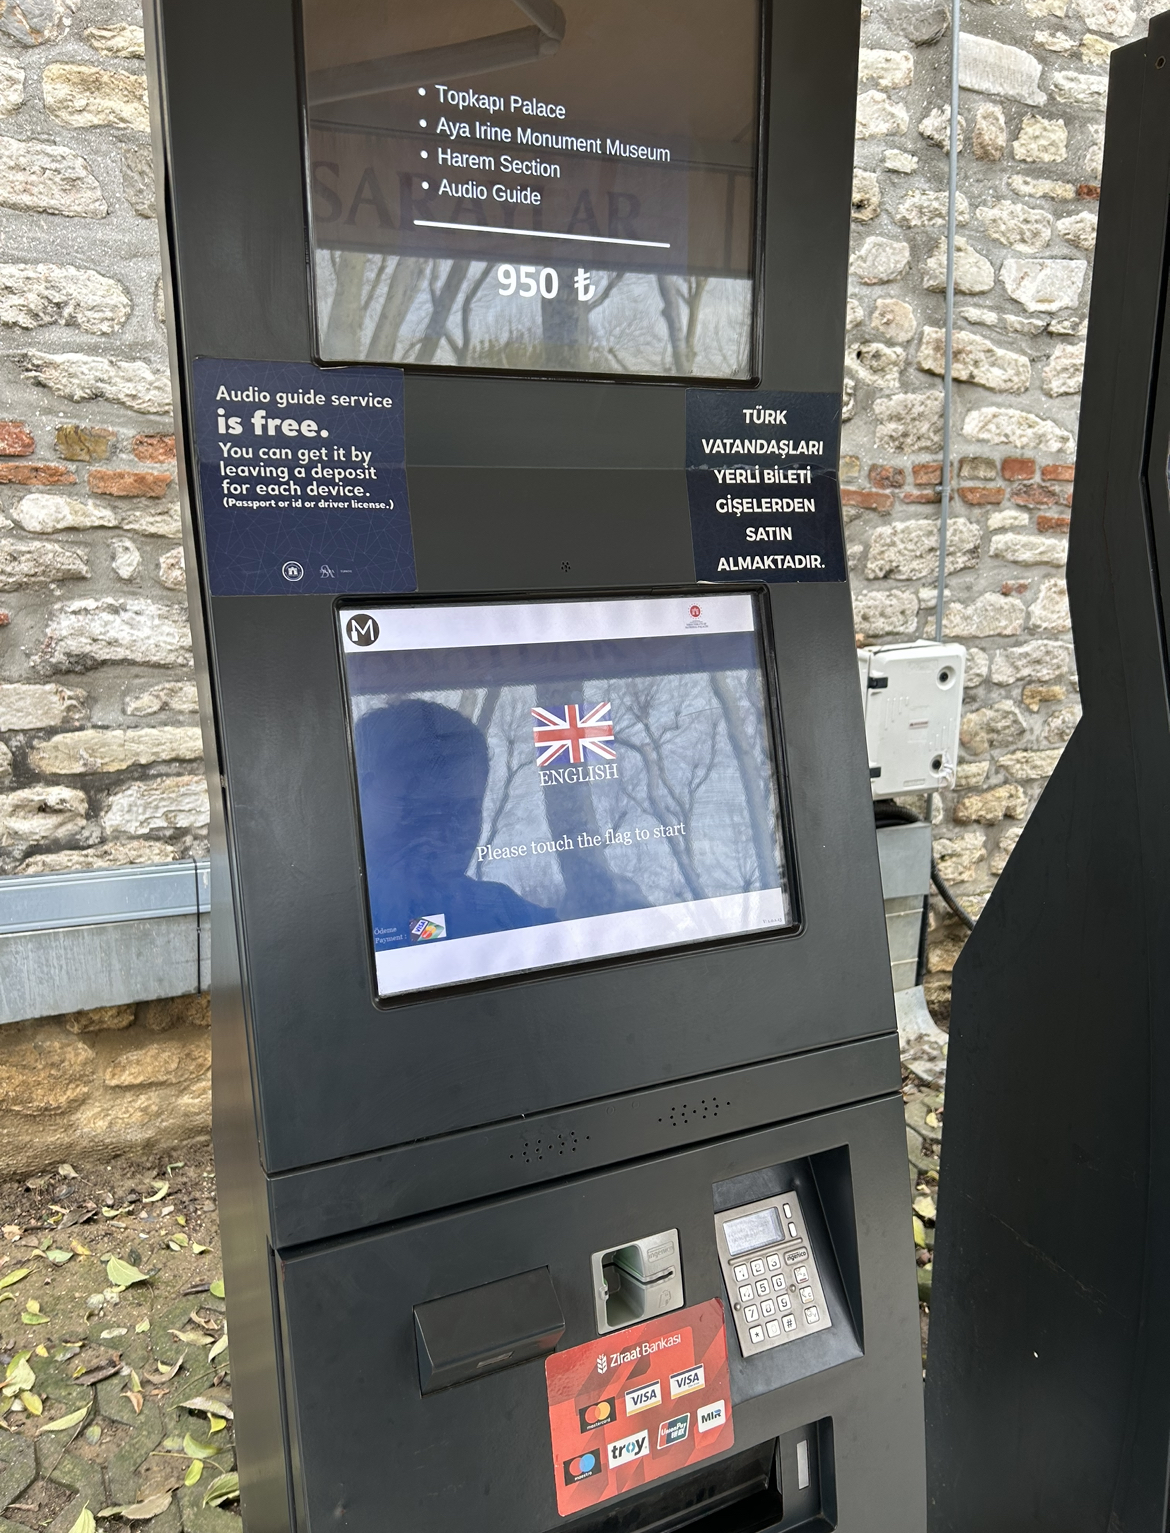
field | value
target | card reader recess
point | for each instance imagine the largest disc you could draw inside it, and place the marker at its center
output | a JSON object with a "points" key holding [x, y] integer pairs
{"points": [[637, 1280]]}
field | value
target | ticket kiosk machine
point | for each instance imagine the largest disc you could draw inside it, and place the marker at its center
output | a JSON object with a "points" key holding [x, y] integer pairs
{"points": [[1046, 1383], [557, 1088]]}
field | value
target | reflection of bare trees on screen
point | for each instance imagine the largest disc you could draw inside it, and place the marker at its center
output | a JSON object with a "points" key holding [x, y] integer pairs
{"points": [[401, 291], [592, 887], [351, 299], [443, 299], [747, 753], [678, 293], [678, 749], [510, 723]]}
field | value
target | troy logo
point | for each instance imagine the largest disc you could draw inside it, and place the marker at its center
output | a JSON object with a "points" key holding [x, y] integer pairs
{"points": [[573, 734]]}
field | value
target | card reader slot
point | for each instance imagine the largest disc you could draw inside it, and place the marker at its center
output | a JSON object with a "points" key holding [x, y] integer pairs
{"points": [[481, 1330]]}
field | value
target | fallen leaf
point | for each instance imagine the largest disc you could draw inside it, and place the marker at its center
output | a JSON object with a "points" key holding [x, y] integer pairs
{"points": [[11, 1231], [18, 1375], [220, 1346], [42, 1351], [63, 1423], [135, 1398], [14, 1277], [33, 1307], [114, 1213], [143, 1325], [181, 1219], [30, 1318], [192, 1338], [194, 1449], [216, 1423], [122, 1275], [118, 1330], [66, 1170], [225, 1488], [208, 1325], [59, 1258], [924, 1207], [78, 1249], [217, 1288], [166, 1371], [157, 1197], [84, 1523], [209, 1404], [919, 1232], [33, 1404], [194, 1470], [199, 1250], [141, 1511], [96, 1375]]}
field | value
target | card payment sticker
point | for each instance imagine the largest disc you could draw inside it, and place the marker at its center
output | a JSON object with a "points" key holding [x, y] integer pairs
{"points": [[611, 1405]]}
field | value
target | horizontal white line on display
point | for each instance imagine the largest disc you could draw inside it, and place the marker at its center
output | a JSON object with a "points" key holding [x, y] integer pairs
{"points": [[538, 234]]}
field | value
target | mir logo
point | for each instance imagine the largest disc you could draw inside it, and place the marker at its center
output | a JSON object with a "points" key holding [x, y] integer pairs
{"points": [[362, 629], [583, 1467]]}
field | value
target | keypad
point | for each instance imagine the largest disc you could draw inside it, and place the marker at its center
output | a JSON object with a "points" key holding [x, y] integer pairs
{"points": [[779, 1297]]}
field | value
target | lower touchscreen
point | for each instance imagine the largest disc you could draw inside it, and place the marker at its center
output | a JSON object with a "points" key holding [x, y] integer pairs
{"points": [[547, 782]]}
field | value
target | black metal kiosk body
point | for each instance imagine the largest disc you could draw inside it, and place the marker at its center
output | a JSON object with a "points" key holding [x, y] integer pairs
{"points": [[1047, 1405], [557, 1098]]}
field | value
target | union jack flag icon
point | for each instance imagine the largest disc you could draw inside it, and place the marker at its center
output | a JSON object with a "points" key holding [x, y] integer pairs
{"points": [[573, 734]]}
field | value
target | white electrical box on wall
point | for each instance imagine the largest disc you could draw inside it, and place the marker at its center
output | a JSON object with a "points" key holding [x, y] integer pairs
{"points": [[913, 698]]}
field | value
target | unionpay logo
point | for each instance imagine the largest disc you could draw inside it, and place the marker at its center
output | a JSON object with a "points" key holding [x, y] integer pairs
{"points": [[629, 1450], [674, 1431], [644, 1398], [596, 1415], [583, 1467]]}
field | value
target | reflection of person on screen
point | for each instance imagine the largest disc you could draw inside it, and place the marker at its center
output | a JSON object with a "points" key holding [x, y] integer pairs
{"points": [[422, 776]]}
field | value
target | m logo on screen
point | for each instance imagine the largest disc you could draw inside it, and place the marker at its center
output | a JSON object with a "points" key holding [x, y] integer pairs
{"points": [[362, 629]]}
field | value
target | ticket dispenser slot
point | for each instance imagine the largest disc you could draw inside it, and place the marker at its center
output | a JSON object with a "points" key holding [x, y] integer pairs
{"points": [[497, 1325], [636, 1281]]}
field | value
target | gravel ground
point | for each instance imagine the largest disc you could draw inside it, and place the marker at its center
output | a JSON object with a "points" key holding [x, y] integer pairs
{"points": [[116, 1392]]}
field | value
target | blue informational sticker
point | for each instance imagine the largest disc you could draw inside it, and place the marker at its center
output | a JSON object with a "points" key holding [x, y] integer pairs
{"points": [[302, 480], [762, 482]]}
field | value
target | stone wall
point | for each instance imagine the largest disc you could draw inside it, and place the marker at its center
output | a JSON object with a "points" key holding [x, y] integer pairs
{"points": [[101, 748], [1033, 79], [99, 745]]}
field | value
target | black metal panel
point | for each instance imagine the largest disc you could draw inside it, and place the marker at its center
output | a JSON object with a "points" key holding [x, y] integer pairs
{"points": [[1047, 1400], [349, 1311]]}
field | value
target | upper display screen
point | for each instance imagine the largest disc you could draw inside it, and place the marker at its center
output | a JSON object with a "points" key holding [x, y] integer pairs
{"points": [[544, 782], [533, 185]]}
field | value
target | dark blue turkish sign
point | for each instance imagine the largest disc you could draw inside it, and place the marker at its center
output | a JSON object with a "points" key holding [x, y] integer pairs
{"points": [[301, 477], [762, 481]]}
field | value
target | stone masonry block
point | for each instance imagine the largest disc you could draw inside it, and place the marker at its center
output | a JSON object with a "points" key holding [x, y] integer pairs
{"points": [[1052, 523], [1018, 468], [83, 96], [868, 500], [26, 565], [47, 178], [36, 473], [989, 808], [113, 750], [1034, 495], [153, 448], [927, 473], [982, 494], [884, 476], [128, 482], [1065, 472], [16, 440], [85, 444]]}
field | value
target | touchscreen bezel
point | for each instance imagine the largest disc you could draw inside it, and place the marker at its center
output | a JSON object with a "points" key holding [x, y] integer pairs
{"points": [[761, 603], [677, 380]]}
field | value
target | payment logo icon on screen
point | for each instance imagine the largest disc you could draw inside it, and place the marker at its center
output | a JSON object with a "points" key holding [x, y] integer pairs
{"points": [[428, 928]]}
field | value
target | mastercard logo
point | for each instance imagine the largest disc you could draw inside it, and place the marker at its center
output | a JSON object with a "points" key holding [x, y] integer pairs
{"points": [[599, 1414], [583, 1467]]}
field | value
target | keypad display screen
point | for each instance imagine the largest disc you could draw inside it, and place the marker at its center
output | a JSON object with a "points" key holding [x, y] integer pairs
{"points": [[535, 185], [753, 1231]]}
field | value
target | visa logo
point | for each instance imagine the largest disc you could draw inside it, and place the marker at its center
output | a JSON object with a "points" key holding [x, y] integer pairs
{"points": [[690, 1378], [708, 1417], [675, 1431], [644, 1398], [629, 1449]]}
